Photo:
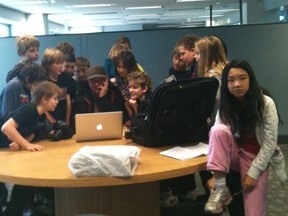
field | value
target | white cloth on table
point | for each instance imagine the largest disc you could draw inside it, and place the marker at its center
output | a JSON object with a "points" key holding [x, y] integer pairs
{"points": [[117, 160]]}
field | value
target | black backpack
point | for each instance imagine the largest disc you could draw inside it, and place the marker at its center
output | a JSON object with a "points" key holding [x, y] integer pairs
{"points": [[177, 113]]}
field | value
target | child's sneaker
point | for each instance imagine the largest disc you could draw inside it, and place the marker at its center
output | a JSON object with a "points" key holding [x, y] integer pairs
{"points": [[218, 200], [278, 164], [167, 199]]}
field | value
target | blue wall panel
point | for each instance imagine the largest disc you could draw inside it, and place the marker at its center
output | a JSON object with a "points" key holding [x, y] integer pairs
{"points": [[264, 46]]}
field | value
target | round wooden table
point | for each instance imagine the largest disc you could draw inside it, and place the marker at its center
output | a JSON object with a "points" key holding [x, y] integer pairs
{"points": [[137, 195]]}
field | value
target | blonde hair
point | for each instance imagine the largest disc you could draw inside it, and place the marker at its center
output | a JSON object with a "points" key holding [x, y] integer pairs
{"points": [[23, 43], [124, 40], [115, 50], [51, 56], [212, 56], [44, 89], [140, 78]]}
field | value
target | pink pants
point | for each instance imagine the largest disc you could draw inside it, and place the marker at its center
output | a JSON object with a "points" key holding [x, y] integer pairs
{"points": [[224, 155]]}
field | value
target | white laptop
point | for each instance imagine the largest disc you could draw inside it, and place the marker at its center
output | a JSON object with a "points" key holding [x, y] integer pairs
{"points": [[98, 126]]}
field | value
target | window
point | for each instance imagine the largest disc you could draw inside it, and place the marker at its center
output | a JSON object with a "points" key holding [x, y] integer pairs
{"points": [[4, 30]]}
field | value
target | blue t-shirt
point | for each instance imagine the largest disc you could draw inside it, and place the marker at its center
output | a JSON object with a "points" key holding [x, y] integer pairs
{"points": [[13, 96], [110, 67]]}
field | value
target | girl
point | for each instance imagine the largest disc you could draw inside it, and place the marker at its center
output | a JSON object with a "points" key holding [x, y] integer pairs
{"points": [[109, 64], [179, 67], [211, 57], [125, 64], [243, 138]]}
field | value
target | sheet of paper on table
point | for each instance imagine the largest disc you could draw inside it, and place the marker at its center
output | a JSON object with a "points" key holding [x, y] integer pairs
{"points": [[184, 153]]}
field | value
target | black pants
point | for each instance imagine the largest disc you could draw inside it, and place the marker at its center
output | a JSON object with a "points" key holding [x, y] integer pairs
{"points": [[3, 196], [21, 197], [179, 185], [236, 208]]}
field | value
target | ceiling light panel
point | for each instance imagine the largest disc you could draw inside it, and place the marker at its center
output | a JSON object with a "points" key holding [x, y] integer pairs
{"points": [[121, 10], [143, 7], [89, 5]]}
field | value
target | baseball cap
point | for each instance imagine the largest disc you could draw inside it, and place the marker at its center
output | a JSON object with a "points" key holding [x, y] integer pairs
{"points": [[95, 71]]}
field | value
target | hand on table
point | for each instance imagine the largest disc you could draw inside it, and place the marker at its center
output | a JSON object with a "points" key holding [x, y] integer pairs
{"points": [[31, 147], [14, 146]]}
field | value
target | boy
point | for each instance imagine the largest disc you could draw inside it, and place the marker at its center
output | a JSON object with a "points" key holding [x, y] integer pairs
{"points": [[28, 49], [17, 92], [140, 88], [68, 70], [52, 61], [81, 67], [17, 131], [18, 127], [186, 48], [68, 67]]}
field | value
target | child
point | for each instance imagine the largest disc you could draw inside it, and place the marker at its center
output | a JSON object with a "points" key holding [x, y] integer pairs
{"points": [[69, 57], [186, 48], [17, 131], [18, 126], [68, 67], [52, 61], [65, 47], [178, 70], [210, 54], [17, 92], [243, 138], [81, 67], [140, 88], [124, 41], [211, 59], [125, 64], [28, 49], [109, 64]]}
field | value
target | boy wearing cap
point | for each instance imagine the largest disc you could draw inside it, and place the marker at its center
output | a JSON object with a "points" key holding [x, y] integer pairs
{"points": [[102, 97]]}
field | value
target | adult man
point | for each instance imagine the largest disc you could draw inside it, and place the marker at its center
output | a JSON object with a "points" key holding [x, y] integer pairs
{"points": [[102, 96]]}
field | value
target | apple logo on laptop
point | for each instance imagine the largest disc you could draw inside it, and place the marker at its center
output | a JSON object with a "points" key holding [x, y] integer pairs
{"points": [[99, 127]]}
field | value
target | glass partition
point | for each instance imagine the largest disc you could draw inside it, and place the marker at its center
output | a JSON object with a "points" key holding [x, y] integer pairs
{"points": [[116, 17]]}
